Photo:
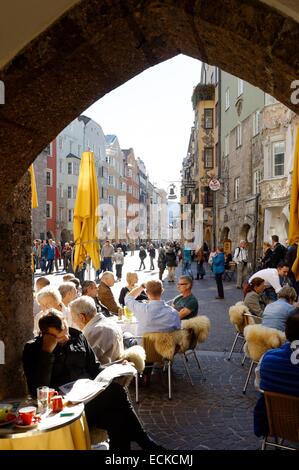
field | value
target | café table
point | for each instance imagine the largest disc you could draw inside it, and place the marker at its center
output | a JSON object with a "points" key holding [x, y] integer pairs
{"points": [[125, 324], [53, 432]]}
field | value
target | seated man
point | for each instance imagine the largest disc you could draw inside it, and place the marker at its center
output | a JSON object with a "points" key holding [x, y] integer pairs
{"points": [[61, 355], [68, 292], [40, 283], [274, 279], [276, 313], [185, 303], [90, 289], [278, 371], [104, 335], [105, 294], [50, 297], [156, 315]]}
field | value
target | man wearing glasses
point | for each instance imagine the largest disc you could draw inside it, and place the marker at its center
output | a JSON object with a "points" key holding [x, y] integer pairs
{"points": [[186, 303]]}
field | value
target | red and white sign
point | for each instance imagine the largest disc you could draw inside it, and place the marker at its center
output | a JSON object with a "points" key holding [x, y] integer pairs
{"points": [[214, 184]]}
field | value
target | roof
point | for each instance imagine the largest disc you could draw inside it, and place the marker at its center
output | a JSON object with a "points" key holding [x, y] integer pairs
{"points": [[110, 138], [71, 155]]}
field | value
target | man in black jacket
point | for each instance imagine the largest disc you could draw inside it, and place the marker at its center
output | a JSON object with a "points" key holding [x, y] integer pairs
{"points": [[61, 355], [278, 251]]}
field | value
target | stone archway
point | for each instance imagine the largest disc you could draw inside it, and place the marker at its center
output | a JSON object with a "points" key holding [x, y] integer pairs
{"points": [[97, 45], [224, 234], [90, 49]]}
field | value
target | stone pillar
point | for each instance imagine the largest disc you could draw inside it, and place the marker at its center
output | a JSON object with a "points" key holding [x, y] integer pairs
{"points": [[16, 317]]}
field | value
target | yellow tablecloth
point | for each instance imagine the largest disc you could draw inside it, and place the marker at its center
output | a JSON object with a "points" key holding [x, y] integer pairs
{"points": [[74, 436]]}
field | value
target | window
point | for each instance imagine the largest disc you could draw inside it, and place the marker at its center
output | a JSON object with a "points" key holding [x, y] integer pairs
{"points": [[227, 104], [70, 215], [70, 168], [208, 157], [237, 189], [104, 193], [256, 181], [49, 210], [61, 190], [111, 180], [240, 87], [130, 189], [256, 123], [208, 118], [61, 214], [278, 158], [60, 166], [49, 176], [208, 197], [226, 146], [111, 200], [238, 135], [129, 173]]}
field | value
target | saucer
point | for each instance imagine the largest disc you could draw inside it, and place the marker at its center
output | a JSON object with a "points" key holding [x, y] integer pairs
{"points": [[19, 425]]}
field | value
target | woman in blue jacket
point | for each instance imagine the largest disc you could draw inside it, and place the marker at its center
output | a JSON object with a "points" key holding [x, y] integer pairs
{"points": [[218, 270]]}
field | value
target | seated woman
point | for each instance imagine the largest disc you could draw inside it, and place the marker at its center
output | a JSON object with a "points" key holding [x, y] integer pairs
{"points": [[132, 281], [253, 298]]}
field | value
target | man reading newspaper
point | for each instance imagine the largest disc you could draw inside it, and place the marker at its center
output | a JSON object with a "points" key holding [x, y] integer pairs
{"points": [[60, 355]]}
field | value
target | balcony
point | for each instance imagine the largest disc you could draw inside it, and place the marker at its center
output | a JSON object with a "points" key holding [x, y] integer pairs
{"points": [[274, 191]]}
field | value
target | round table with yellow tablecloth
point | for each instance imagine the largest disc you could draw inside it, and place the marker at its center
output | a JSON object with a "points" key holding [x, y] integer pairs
{"points": [[54, 432]]}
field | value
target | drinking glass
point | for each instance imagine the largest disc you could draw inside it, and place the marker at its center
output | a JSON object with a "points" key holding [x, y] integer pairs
{"points": [[42, 399]]}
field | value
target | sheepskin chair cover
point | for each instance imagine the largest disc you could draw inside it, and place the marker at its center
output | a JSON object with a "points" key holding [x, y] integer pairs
{"points": [[200, 327], [166, 344], [236, 316], [259, 339], [136, 354]]}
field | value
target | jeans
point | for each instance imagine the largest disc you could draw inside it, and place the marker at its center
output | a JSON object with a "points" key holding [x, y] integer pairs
{"points": [[118, 268], [186, 269], [142, 264]]}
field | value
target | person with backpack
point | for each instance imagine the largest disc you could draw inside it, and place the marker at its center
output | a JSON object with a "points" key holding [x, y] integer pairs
{"points": [[241, 259]]}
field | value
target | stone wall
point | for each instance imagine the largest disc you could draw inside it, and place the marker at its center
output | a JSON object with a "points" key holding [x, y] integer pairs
{"points": [[39, 221], [16, 318]]}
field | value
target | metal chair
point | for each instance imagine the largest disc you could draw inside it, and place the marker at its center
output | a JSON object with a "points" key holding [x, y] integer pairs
{"points": [[240, 325], [283, 419], [255, 349]]}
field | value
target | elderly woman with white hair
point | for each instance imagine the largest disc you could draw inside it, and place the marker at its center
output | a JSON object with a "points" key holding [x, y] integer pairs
{"points": [[68, 292], [104, 335], [50, 297]]}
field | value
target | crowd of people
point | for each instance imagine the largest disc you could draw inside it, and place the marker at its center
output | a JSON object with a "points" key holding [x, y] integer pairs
{"points": [[75, 323]]}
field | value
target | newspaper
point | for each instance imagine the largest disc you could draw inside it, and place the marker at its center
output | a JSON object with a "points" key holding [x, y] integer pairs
{"points": [[84, 390]]}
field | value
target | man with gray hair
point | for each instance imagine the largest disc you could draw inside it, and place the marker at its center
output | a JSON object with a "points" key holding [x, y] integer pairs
{"points": [[276, 313], [103, 335], [241, 259], [68, 292], [105, 294]]}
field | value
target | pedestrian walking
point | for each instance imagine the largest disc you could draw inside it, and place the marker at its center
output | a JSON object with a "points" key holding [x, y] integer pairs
{"points": [[142, 256], [152, 255], [218, 270], [200, 258], [161, 262], [241, 259], [118, 258], [171, 262]]}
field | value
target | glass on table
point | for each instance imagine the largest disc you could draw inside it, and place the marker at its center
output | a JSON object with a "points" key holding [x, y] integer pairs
{"points": [[42, 394], [128, 314]]}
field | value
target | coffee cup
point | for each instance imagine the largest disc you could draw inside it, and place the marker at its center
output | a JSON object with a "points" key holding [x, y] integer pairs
{"points": [[26, 414], [57, 403]]}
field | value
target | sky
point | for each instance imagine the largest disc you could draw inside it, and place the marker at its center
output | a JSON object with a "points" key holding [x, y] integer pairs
{"points": [[152, 113]]}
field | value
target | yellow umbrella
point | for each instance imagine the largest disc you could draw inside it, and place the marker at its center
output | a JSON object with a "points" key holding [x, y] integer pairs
{"points": [[294, 207], [85, 213], [34, 200]]}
